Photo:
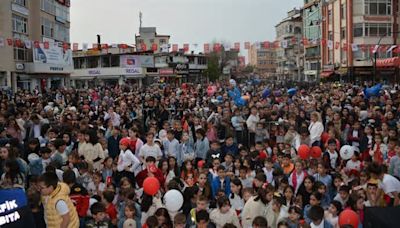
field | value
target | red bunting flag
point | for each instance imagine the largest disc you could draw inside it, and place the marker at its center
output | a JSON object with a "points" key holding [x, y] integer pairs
{"points": [[267, 45], [305, 41], [277, 44], [294, 40], [46, 45], [237, 46], [337, 45], [206, 48], [217, 47], [185, 47], [323, 42], [344, 47], [154, 47], [143, 47], [247, 45], [174, 48], [18, 43], [104, 46], [36, 44], [10, 42], [75, 46]]}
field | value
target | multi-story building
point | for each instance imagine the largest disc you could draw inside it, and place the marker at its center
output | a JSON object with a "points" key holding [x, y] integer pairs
{"points": [[289, 54], [148, 39], [263, 59], [312, 18], [109, 67], [353, 28], [33, 33]]}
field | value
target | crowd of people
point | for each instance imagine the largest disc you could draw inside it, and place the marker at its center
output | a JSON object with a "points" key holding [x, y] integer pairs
{"points": [[84, 156]]}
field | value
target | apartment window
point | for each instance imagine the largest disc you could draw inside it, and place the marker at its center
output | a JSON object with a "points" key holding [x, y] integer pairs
{"points": [[151, 41], [358, 30], [163, 41], [114, 60], [330, 16], [20, 2], [61, 32], [47, 28], [62, 13], [105, 61], [378, 7], [20, 24], [378, 29], [93, 62], [21, 54], [48, 6], [343, 33], [79, 63], [343, 11], [330, 35]]}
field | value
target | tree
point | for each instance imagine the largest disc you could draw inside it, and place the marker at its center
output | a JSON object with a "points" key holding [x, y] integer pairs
{"points": [[213, 71]]}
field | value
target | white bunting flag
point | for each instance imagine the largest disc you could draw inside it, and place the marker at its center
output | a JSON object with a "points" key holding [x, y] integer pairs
{"points": [[391, 48], [284, 44], [354, 47], [258, 45], [84, 47], [28, 44], [114, 45], [2, 42], [330, 44], [227, 46], [375, 49]]}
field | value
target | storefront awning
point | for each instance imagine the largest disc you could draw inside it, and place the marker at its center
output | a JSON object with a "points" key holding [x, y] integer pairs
{"points": [[326, 74], [389, 62]]}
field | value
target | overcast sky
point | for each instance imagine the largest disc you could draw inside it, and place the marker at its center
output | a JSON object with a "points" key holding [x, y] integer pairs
{"points": [[187, 21]]}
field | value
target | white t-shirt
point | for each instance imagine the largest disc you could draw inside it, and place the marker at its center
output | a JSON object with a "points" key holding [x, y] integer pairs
{"points": [[147, 151], [390, 184], [61, 207], [356, 165]]}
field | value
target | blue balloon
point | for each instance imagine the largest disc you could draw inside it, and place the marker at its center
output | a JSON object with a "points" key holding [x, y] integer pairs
{"points": [[220, 98], [240, 102], [292, 91], [373, 91], [256, 81], [266, 93]]}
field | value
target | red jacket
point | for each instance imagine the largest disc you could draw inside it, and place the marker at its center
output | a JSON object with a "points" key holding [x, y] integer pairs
{"points": [[80, 198], [144, 173]]}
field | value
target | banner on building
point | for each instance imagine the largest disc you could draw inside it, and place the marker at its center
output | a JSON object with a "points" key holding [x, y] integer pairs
{"points": [[53, 54], [146, 61], [206, 48], [186, 47], [14, 209], [330, 44], [247, 45], [129, 61], [354, 47]]}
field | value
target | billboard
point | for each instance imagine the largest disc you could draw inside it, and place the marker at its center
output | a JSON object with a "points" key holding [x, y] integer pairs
{"points": [[129, 61], [52, 54], [147, 61]]}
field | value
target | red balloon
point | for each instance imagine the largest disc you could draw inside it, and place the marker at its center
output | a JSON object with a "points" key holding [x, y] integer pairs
{"points": [[151, 185], [348, 217], [324, 137], [304, 151], [184, 86], [315, 152]]}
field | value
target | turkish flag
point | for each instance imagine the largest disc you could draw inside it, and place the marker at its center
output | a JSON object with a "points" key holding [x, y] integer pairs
{"points": [[143, 47], [247, 45], [344, 47], [267, 45], [36, 44], [305, 41], [104, 46], [237, 46], [217, 47], [323, 42], [18, 43], [154, 47], [46, 45], [337, 45], [185, 47], [206, 48], [10, 42], [174, 48], [294, 40]]}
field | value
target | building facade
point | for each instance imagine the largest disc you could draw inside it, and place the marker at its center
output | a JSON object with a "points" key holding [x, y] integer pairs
{"points": [[354, 28], [263, 59], [289, 54], [32, 54], [312, 18], [148, 39]]}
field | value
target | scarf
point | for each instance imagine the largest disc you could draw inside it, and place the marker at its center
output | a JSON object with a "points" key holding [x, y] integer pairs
{"points": [[294, 178]]}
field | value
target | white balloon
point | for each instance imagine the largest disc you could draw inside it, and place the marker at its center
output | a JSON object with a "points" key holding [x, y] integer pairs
{"points": [[173, 200], [346, 152]]}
